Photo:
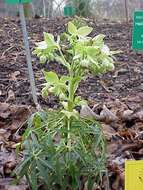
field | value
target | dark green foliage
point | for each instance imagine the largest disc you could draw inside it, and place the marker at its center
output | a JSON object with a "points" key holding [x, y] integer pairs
{"points": [[50, 161]]}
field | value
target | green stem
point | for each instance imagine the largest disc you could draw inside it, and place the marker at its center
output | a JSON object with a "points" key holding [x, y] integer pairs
{"points": [[70, 98], [70, 108], [69, 135], [61, 53], [66, 63]]}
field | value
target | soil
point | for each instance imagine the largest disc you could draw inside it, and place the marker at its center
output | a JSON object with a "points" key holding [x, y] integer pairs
{"points": [[120, 91]]}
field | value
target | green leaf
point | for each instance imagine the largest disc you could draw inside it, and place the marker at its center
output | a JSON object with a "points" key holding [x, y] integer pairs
{"points": [[45, 163], [43, 171], [49, 39], [33, 177], [108, 64], [64, 79], [93, 51], [72, 28], [51, 77], [60, 59], [43, 59], [45, 92], [68, 114], [79, 101], [90, 183], [22, 169], [75, 83], [63, 96], [84, 31], [18, 145], [85, 63], [28, 130], [98, 40]]}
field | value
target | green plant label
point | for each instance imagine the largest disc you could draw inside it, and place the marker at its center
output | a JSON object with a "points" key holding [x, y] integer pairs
{"points": [[12, 2], [137, 39], [69, 11]]}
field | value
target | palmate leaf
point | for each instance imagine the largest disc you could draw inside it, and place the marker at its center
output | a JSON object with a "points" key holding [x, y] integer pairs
{"points": [[44, 173], [49, 39], [23, 168], [84, 31], [51, 77], [55, 163], [98, 40], [32, 176], [92, 51]]}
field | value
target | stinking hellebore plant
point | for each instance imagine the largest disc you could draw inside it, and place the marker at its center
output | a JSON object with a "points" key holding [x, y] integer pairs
{"points": [[61, 149]]}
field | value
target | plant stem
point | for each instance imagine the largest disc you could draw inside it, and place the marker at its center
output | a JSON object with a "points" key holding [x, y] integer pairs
{"points": [[70, 107], [70, 98], [61, 53], [69, 135]]}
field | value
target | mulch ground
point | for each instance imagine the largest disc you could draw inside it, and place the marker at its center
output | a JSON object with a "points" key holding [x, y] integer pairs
{"points": [[121, 91]]}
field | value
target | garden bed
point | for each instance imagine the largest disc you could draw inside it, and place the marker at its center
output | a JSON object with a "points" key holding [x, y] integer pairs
{"points": [[121, 91]]}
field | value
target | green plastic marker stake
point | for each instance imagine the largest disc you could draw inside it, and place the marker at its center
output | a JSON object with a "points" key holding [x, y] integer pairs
{"points": [[13, 2], [137, 38], [69, 11], [27, 49]]}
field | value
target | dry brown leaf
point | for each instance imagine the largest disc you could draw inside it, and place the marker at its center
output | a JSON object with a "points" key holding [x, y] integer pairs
{"points": [[95, 187], [116, 184], [133, 102], [108, 131], [14, 75], [138, 126], [140, 151], [127, 114], [112, 148], [108, 115], [5, 185], [3, 107], [4, 135], [86, 112], [20, 112], [139, 115], [117, 108], [11, 96]]}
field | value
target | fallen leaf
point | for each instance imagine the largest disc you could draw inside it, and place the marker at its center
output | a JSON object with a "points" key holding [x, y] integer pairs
{"points": [[95, 187], [3, 107], [11, 96], [108, 131], [5, 184], [108, 115], [127, 114], [14, 75], [139, 115]]}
